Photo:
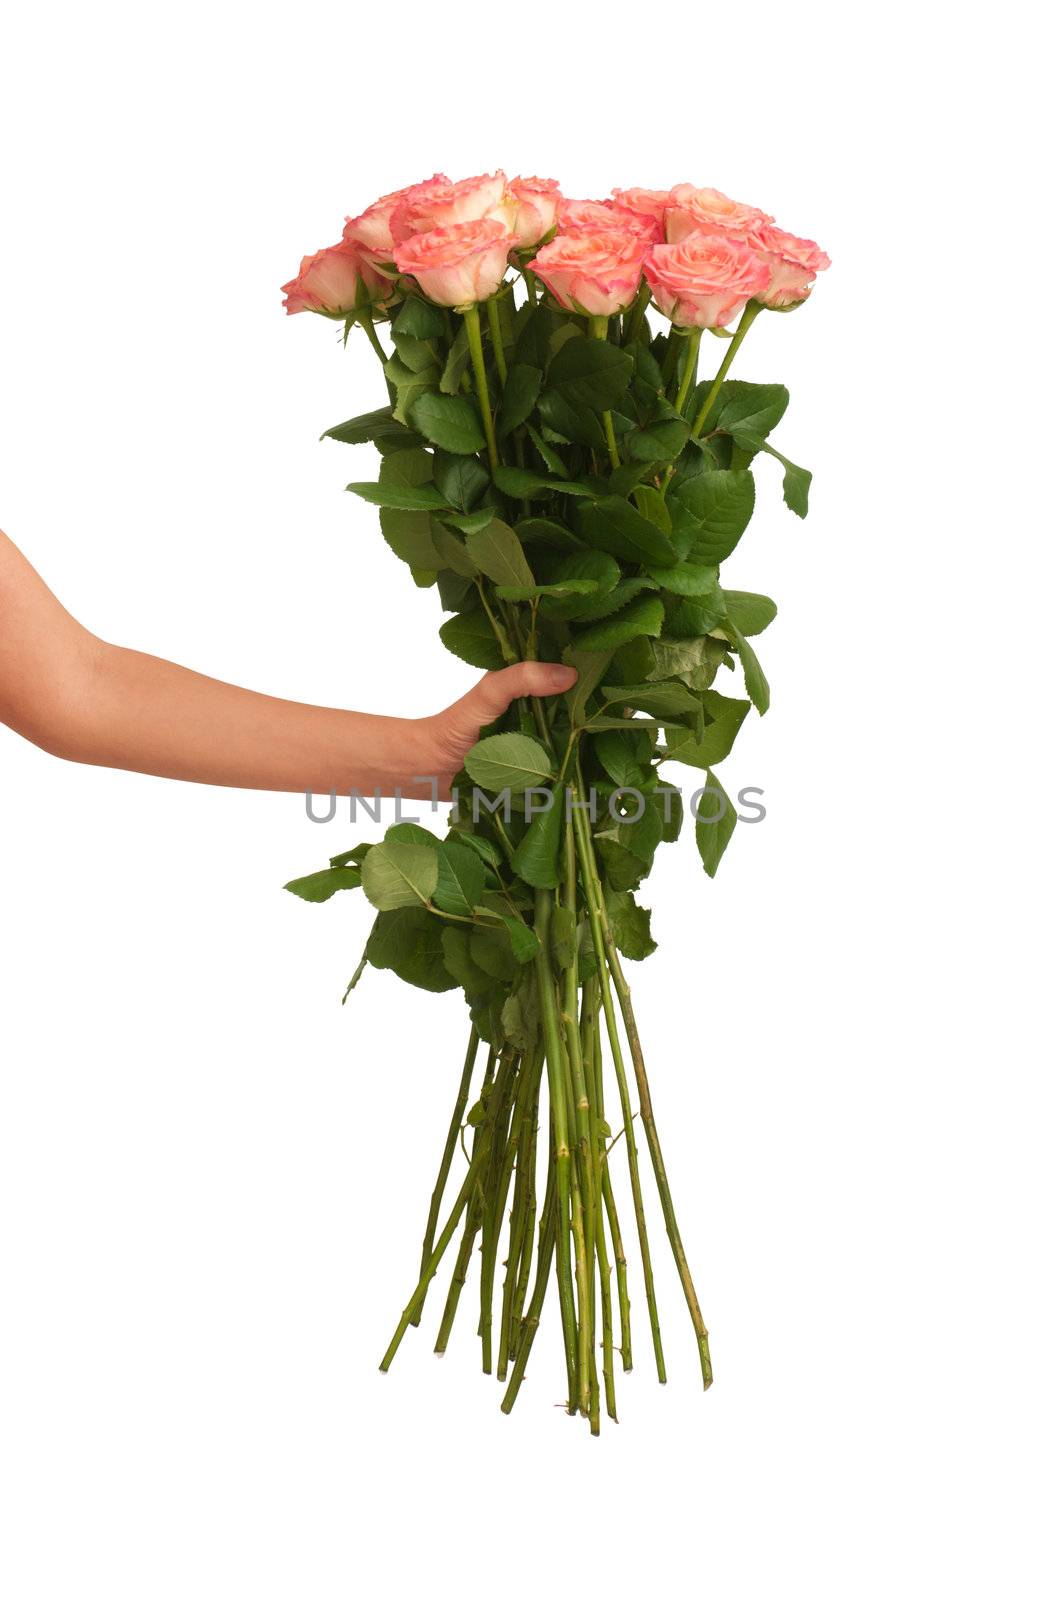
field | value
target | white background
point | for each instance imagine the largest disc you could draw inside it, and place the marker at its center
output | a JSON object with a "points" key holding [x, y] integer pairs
{"points": [[212, 1179]]}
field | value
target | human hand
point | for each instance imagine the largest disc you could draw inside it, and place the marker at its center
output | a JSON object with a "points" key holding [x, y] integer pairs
{"points": [[446, 738]]}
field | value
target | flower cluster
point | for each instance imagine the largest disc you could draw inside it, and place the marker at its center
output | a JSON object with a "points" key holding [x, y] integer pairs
{"points": [[701, 255]]}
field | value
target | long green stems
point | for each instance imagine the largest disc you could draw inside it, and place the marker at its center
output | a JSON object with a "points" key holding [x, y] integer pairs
{"points": [[600, 330], [364, 320], [745, 322], [448, 1156], [595, 912], [476, 351], [634, 318], [498, 348]]}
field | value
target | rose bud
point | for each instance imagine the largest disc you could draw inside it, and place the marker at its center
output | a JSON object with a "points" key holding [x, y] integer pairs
{"points": [[335, 282], [793, 264], [538, 201]]}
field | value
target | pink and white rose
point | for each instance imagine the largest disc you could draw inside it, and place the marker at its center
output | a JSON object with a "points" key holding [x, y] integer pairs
{"points": [[645, 203], [444, 204], [458, 265], [371, 230], [538, 200], [693, 210], [597, 216], [703, 281], [335, 281], [597, 273], [792, 263]]}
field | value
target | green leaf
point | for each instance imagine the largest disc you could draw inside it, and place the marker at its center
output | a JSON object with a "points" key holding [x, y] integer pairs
{"points": [[718, 738], [470, 637], [714, 823], [750, 612], [519, 484], [604, 605], [624, 756], [536, 859], [591, 669], [497, 552], [409, 535], [486, 849], [756, 683], [320, 886], [653, 505], [469, 521], [659, 699], [693, 661], [449, 421], [547, 531], [748, 408], [630, 923], [409, 943], [456, 363], [661, 439], [407, 385], [458, 961], [396, 874], [461, 479], [523, 940], [411, 833], [449, 548], [591, 373], [696, 615], [555, 591], [551, 460], [796, 482], [721, 504], [400, 496], [508, 761], [371, 426], [687, 578], [518, 398], [417, 355], [568, 422], [462, 877], [643, 616], [613, 524], [419, 319]]}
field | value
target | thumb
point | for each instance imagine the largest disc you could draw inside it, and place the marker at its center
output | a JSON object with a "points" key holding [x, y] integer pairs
{"points": [[496, 692]]}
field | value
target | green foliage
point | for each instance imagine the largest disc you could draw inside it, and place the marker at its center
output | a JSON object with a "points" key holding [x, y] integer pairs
{"points": [[508, 761], [319, 886]]}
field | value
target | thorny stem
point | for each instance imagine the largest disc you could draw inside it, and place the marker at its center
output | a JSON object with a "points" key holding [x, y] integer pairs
{"points": [[745, 322], [365, 321], [448, 1156]]}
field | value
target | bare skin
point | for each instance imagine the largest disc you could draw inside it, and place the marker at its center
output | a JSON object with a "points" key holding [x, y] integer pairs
{"points": [[85, 700]]}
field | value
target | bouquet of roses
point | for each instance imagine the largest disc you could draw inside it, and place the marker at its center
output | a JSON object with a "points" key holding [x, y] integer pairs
{"points": [[553, 465]]}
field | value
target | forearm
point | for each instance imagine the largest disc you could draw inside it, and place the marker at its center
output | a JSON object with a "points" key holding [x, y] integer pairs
{"points": [[138, 712]]}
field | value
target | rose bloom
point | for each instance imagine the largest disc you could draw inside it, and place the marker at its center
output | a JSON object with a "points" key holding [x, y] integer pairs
{"points": [[538, 201], [446, 205], [645, 203], [705, 279], [792, 262], [596, 216], [372, 229], [335, 281], [596, 273], [458, 265], [691, 210]]}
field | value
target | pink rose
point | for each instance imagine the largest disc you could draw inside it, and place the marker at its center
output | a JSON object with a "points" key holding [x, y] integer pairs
{"points": [[372, 229], [597, 216], [645, 202], [704, 280], [538, 200], [691, 210], [792, 263], [444, 204], [596, 273], [335, 281], [458, 265]]}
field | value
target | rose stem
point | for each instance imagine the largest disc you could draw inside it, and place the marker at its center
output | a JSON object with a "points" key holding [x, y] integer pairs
{"points": [[600, 330], [690, 367], [585, 847], [530, 1323], [614, 1232], [583, 1325], [745, 322], [471, 1177], [448, 1156], [495, 1213], [586, 1146], [592, 1058], [620, 984], [476, 351], [495, 327], [472, 1223], [499, 1132], [365, 321], [555, 1066], [633, 320], [521, 1232], [527, 1246], [529, 284]]}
